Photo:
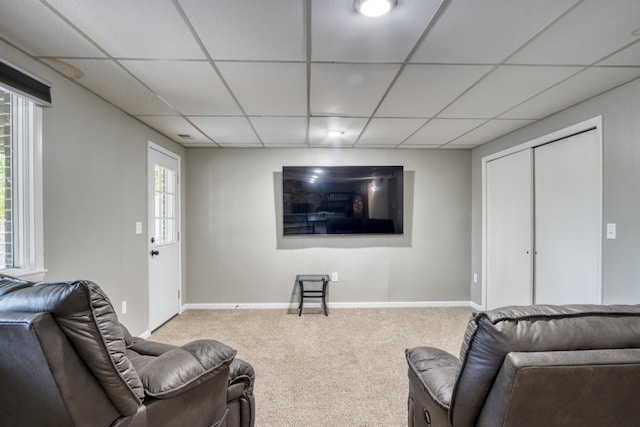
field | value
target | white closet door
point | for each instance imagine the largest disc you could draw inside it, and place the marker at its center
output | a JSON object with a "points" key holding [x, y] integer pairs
{"points": [[568, 221], [509, 211]]}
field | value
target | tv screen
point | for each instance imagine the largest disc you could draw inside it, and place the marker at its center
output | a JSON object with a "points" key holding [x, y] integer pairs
{"points": [[321, 200]]}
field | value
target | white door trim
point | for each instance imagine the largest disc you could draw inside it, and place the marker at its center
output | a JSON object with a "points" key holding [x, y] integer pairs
{"points": [[593, 123], [178, 158]]}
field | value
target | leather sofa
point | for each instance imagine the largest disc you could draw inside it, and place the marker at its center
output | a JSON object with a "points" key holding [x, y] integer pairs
{"points": [[65, 360], [575, 365]]}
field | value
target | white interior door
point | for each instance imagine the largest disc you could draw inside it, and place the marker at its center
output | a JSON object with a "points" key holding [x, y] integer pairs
{"points": [[568, 221], [509, 237], [163, 227]]}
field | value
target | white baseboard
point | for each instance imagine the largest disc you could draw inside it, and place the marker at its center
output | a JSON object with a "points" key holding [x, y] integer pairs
{"points": [[475, 306], [373, 304], [145, 335]]}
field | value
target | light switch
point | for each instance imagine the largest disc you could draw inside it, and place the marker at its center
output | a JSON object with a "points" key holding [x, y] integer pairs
{"points": [[611, 231], [138, 227]]}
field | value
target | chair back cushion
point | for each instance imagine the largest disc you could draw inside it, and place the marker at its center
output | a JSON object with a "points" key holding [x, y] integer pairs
{"points": [[85, 314], [491, 335], [552, 388]]}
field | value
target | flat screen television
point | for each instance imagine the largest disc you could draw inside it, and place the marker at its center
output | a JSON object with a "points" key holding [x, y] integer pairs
{"points": [[321, 200]]}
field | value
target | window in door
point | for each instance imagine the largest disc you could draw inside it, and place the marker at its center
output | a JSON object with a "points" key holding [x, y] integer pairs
{"points": [[165, 205]]}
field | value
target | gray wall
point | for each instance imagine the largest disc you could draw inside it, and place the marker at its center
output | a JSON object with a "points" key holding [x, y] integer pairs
{"points": [[94, 167], [620, 109], [235, 253]]}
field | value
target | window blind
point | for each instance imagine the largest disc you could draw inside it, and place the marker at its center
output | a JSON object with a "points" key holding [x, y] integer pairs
{"points": [[15, 80]]}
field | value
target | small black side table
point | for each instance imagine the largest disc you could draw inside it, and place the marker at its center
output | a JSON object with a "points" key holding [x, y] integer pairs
{"points": [[314, 292]]}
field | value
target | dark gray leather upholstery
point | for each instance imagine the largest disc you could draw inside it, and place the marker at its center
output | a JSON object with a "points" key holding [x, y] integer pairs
{"points": [[241, 378], [533, 365], [65, 360]]}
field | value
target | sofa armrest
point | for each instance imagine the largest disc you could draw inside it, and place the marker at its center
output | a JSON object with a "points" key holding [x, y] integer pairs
{"points": [[185, 367], [150, 348], [436, 369], [241, 379]]}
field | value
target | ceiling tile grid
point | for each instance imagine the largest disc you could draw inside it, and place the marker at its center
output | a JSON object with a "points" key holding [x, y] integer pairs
{"points": [[435, 74]]}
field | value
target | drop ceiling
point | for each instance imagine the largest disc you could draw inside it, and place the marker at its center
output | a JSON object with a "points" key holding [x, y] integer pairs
{"points": [[282, 73]]}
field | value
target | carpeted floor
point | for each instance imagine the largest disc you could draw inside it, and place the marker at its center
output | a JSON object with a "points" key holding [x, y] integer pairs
{"points": [[347, 369]]}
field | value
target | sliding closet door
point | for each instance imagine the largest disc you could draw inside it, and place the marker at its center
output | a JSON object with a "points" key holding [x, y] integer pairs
{"points": [[509, 212], [567, 221]]}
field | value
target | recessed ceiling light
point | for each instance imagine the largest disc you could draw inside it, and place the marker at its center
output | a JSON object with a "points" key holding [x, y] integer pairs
{"points": [[335, 133], [374, 8]]}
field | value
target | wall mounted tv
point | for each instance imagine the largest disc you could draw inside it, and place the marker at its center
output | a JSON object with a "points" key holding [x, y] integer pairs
{"points": [[321, 200]]}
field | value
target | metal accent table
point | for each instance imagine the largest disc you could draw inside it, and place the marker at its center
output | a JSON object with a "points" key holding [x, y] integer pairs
{"points": [[314, 292]]}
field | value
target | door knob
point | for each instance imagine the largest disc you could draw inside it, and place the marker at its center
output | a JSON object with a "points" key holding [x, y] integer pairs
{"points": [[155, 252]]}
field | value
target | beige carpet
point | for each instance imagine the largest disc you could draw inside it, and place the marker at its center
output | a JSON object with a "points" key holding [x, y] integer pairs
{"points": [[347, 369]]}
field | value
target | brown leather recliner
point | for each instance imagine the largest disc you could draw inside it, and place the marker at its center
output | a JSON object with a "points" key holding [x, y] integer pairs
{"points": [[65, 360], [533, 366]]}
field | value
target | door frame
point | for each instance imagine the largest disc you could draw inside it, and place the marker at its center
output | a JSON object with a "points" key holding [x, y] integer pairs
{"points": [[153, 146], [594, 123]]}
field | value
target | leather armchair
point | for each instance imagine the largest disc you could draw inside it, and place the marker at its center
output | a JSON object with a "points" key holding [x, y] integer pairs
{"points": [[240, 399], [65, 360], [533, 366]]}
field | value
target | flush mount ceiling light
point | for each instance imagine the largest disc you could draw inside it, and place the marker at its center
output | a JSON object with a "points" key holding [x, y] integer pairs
{"points": [[335, 133], [374, 8]]}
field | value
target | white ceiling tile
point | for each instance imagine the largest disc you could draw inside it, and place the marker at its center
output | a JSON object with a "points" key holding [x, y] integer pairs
{"points": [[275, 89], [133, 29], [414, 146], [250, 29], [226, 130], [281, 130], [628, 56], [488, 132], [441, 131], [40, 32], [486, 32], [108, 80], [253, 145], [349, 89], [424, 90], [285, 145], [191, 87], [591, 31], [459, 146], [505, 88], [578, 88], [388, 38], [320, 126], [388, 132], [172, 126]]}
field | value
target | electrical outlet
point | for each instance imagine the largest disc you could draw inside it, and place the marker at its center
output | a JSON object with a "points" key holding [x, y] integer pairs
{"points": [[124, 307], [334, 277]]}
